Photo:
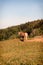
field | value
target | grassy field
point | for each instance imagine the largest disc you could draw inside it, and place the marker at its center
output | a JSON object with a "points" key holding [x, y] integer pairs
{"points": [[16, 52]]}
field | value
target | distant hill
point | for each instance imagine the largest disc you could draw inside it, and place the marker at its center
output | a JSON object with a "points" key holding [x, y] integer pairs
{"points": [[33, 28]]}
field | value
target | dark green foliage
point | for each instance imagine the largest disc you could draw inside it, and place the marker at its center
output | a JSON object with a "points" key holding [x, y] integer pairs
{"points": [[33, 28]]}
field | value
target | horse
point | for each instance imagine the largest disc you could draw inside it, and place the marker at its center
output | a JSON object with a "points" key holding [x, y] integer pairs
{"points": [[23, 35]]}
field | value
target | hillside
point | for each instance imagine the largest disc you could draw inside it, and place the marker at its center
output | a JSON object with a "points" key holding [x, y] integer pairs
{"points": [[33, 28], [16, 52]]}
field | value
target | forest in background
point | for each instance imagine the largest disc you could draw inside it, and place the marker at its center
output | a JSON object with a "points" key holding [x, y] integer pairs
{"points": [[33, 28]]}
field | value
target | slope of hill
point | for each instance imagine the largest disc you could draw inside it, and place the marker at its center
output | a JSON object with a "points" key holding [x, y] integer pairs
{"points": [[15, 52], [33, 28]]}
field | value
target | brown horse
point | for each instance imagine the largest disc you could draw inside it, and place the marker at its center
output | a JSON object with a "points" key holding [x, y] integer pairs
{"points": [[23, 35]]}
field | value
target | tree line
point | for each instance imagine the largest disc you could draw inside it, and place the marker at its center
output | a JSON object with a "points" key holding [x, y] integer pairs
{"points": [[33, 28]]}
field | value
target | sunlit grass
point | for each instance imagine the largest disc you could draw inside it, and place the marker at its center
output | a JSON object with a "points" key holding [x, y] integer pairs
{"points": [[15, 52]]}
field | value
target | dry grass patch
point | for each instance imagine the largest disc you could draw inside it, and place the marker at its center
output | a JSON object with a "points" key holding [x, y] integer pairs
{"points": [[15, 52]]}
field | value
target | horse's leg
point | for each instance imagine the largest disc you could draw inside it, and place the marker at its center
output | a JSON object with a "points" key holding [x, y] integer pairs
{"points": [[26, 36]]}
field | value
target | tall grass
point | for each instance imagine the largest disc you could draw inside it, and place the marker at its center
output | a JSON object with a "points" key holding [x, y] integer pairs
{"points": [[15, 52]]}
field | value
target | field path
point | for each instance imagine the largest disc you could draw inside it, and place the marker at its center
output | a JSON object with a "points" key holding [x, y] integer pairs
{"points": [[36, 39]]}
